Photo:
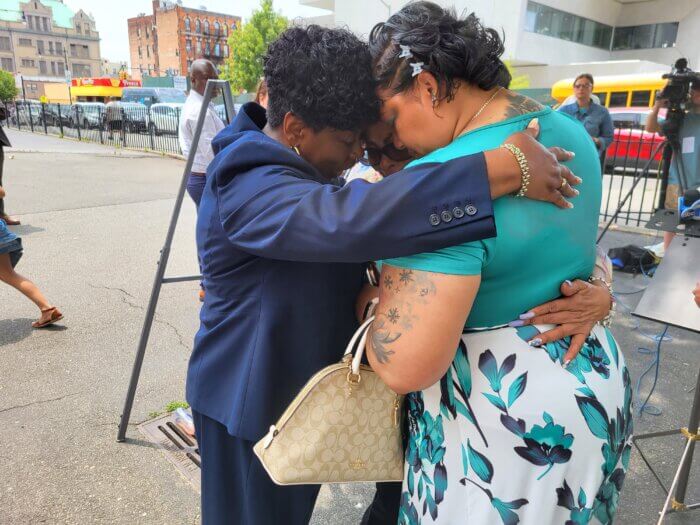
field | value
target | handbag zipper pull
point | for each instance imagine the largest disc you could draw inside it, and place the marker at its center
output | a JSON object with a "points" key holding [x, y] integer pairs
{"points": [[396, 411], [270, 436]]}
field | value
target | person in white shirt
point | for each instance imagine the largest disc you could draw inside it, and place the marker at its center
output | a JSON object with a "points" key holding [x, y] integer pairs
{"points": [[202, 70]]}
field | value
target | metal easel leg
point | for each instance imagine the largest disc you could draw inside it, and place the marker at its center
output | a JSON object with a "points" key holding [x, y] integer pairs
{"points": [[160, 279]]}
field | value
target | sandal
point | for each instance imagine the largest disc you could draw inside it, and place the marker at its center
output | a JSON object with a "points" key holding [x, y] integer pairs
{"points": [[54, 317], [11, 221]]}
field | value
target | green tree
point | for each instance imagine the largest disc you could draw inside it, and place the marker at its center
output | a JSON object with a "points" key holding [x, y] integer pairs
{"points": [[517, 81], [8, 90], [249, 43]]}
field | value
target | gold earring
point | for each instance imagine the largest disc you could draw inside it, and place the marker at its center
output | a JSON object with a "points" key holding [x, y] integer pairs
{"points": [[434, 99], [296, 150]]}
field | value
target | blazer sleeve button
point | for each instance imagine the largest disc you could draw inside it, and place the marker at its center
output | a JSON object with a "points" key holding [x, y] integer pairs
{"points": [[458, 212], [446, 216], [470, 209], [434, 219]]}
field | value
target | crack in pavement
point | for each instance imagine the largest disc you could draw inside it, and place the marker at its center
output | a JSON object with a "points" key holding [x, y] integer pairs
{"points": [[180, 338], [113, 289], [3, 410]]}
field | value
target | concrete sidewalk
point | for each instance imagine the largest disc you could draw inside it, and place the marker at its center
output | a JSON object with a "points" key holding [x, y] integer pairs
{"points": [[92, 229]]}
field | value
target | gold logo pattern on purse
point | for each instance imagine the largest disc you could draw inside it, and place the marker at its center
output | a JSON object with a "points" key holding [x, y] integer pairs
{"points": [[344, 426]]}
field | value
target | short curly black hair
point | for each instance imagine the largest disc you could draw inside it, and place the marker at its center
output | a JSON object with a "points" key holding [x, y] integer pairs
{"points": [[453, 49], [322, 75]]}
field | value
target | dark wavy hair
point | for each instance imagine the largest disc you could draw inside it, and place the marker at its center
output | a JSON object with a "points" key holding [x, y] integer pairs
{"points": [[453, 49], [587, 76], [322, 75]]}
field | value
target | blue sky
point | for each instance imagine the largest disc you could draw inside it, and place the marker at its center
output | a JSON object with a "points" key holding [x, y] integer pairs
{"points": [[111, 17]]}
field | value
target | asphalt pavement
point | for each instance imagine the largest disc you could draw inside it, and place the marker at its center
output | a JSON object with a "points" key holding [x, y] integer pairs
{"points": [[94, 219]]}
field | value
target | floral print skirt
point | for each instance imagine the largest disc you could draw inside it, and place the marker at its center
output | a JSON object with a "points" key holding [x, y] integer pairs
{"points": [[511, 436]]}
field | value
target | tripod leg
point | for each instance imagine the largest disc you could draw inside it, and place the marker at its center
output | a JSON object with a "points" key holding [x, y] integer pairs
{"points": [[669, 497], [692, 437]]}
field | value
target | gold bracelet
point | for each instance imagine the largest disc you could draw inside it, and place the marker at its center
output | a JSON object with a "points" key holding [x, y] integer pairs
{"points": [[607, 320], [524, 167]]}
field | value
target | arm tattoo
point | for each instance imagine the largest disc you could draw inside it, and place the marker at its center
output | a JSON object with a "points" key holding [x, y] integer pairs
{"points": [[379, 339], [520, 105], [398, 318]]}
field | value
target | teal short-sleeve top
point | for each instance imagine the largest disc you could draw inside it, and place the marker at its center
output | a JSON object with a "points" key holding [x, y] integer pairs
{"points": [[538, 245]]}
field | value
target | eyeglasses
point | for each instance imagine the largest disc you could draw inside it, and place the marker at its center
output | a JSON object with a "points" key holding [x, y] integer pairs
{"points": [[583, 86], [373, 156]]}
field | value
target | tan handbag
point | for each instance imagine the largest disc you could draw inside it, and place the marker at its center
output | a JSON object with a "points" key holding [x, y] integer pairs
{"points": [[344, 426]]}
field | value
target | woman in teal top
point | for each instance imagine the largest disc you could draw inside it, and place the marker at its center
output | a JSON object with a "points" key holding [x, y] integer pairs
{"points": [[500, 431]]}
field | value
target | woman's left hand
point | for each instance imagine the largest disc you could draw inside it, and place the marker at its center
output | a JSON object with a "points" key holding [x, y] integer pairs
{"points": [[583, 305]]}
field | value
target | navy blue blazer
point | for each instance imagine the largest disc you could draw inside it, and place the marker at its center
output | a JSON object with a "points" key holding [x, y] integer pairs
{"points": [[282, 253]]}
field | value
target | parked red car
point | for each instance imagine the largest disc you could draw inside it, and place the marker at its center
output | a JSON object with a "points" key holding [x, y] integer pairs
{"points": [[632, 147]]}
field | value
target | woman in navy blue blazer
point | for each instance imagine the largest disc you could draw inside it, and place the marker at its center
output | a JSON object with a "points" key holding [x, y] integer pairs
{"points": [[282, 246]]}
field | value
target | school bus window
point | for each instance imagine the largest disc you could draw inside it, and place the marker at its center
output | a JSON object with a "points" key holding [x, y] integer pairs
{"points": [[618, 99], [640, 98], [603, 96]]}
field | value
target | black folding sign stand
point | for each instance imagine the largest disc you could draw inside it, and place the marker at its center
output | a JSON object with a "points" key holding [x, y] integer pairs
{"points": [[160, 278]]}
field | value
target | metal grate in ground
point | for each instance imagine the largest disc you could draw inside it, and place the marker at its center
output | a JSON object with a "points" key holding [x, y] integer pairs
{"points": [[180, 449]]}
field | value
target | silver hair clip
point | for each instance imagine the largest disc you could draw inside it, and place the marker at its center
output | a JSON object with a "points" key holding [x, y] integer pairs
{"points": [[417, 68], [405, 51]]}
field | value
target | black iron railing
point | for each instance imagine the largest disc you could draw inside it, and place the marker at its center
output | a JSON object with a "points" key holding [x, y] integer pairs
{"points": [[121, 124], [634, 153]]}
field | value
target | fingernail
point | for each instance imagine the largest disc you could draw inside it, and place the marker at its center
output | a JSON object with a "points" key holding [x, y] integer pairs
{"points": [[569, 282], [527, 315], [566, 363], [515, 324], [535, 342], [569, 205], [579, 180], [576, 192], [572, 154], [534, 122]]}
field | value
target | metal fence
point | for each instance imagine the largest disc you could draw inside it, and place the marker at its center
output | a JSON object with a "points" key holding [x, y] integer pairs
{"points": [[634, 153], [131, 125], [127, 125]]}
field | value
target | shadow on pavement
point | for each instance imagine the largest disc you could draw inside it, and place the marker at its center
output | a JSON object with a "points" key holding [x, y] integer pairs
{"points": [[54, 327], [14, 330], [139, 442], [26, 229]]}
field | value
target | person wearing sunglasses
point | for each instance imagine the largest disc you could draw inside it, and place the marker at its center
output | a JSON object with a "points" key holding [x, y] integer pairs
{"points": [[594, 117], [381, 153]]}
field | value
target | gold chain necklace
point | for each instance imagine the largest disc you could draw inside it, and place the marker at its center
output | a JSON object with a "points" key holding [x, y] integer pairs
{"points": [[482, 108]]}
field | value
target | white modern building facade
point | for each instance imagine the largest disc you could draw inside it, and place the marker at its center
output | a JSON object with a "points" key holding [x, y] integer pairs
{"points": [[599, 36]]}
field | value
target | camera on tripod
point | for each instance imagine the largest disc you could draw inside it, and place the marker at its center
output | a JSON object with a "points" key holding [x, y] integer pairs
{"points": [[677, 93]]}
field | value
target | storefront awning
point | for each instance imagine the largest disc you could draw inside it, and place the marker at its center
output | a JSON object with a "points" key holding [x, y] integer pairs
{"points": [[96, 91]]}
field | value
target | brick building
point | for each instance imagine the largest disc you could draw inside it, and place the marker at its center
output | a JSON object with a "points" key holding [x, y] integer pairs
{"points": [[45, 41], [167, 41]]}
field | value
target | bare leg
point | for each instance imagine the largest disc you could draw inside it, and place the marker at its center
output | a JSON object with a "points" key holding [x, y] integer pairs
{"points": [[668, 237], [24, 285]]}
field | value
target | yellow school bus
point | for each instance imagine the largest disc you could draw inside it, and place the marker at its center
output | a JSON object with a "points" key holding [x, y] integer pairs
{"points": [[617, 91]]}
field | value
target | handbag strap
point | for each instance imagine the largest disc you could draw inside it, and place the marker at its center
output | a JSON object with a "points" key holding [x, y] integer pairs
{"points": [[361, 348], [358, 334], [359, 339]]}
